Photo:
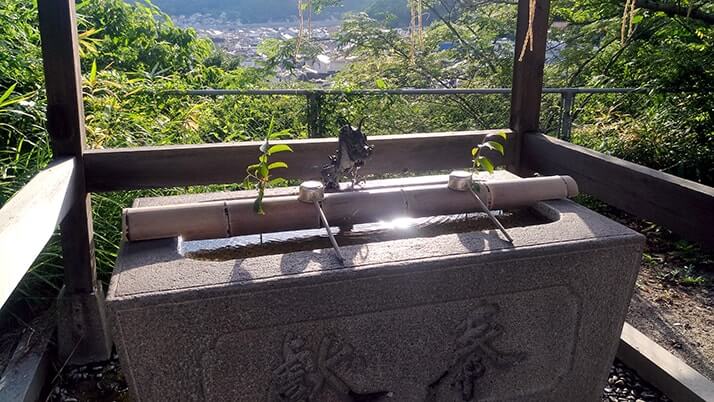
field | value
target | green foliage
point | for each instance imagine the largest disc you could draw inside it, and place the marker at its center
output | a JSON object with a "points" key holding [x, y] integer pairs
{"points": [[260, 173], [384, 55], [482, 162], [684, 276], [21, 57], [258, 11], [138, 37], [393, 14], [132, 53], [665, 129], [286, 54]]}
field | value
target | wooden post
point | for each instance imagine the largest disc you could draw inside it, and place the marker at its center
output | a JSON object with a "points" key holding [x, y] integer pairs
{"points": [[82, 327], [527, 76]]}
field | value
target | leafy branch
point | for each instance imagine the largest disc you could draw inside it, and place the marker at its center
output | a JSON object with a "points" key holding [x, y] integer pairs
{"points": [[481, 162], [260, 173]]}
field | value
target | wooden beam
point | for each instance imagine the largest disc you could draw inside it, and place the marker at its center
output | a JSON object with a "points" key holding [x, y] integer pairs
{"points": [[183, 165], [29, 218], [683, 206], [662, 369], [27, 374], [65, 124], [527, 85]]}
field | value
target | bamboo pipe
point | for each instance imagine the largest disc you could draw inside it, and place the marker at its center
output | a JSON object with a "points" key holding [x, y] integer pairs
{"points": [[461, 180], [218, 219]]}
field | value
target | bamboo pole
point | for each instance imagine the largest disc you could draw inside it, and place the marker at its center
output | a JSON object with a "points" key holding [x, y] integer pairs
{"points": [[219, 219]]}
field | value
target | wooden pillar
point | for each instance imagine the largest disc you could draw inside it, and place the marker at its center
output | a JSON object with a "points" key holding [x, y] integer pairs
{"points": [[527, 77], [82, 331]]}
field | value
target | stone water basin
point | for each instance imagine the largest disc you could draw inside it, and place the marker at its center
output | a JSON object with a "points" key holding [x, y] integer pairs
{"points": [[442, 310]]}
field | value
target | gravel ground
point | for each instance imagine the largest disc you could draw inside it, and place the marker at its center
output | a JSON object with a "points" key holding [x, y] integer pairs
{"points": [[102, 382], [623, 384], [105, 383]]}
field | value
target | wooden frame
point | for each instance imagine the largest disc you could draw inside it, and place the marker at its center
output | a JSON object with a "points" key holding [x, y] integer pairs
{"points": [[183, 165], [684, 206], [29, 219], [527, 76], [65, 124], [83, 334]]}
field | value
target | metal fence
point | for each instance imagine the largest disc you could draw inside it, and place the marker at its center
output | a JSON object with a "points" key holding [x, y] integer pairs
{"points": [[564, 112]]}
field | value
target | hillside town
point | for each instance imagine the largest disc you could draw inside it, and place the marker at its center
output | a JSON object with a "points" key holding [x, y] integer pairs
{"points": [[242, 40]]}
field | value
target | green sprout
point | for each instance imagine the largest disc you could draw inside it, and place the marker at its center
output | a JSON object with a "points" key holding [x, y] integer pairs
{"points": [[260, 173], [684, 276], [481, 162]]}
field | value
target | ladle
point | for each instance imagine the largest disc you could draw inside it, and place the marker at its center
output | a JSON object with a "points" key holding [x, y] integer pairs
{"points": [[460, 180], [312, 192]]}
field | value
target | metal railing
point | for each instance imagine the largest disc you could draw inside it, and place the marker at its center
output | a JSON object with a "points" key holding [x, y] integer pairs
{"points": [[316, 97]]}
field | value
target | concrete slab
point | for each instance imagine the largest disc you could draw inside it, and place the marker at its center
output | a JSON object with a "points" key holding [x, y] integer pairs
{"points": [[662, 369]]}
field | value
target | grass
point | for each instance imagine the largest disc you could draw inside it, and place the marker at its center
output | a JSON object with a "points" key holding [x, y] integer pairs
{"points": [[685, 276]]}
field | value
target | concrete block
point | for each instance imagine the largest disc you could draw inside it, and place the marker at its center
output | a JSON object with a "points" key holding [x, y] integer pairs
{"points": [[83, 334], [452, 317]]}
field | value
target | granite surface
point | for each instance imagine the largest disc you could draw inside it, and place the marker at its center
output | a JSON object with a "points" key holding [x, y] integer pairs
{"points": [[456, 317]]}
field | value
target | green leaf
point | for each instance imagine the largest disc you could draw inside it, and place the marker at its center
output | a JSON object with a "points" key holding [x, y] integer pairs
{"points": [[279, 148], [496, 146], [499, 147], [93, 72], [252, 168], [483, 161], [276, 165], [270, 128], [503, 135], [637, 19], [280, 134], [277, 181], [8, 92], [380, 84], [474, 151], [264, 171]]}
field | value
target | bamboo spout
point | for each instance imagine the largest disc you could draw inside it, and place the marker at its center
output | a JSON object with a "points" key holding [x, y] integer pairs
{"points": [[218, 219]]}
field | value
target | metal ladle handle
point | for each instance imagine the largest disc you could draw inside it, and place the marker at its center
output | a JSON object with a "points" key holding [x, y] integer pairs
{"points": [[460, 180], [312, 192]]}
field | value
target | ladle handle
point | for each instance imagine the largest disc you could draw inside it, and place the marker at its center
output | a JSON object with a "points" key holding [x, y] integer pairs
{"points": [[491, 215], [323, 218]]}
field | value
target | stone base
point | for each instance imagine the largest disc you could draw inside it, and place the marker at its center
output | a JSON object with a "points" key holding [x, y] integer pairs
{"points": [[453, 317], [82, 328]]}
